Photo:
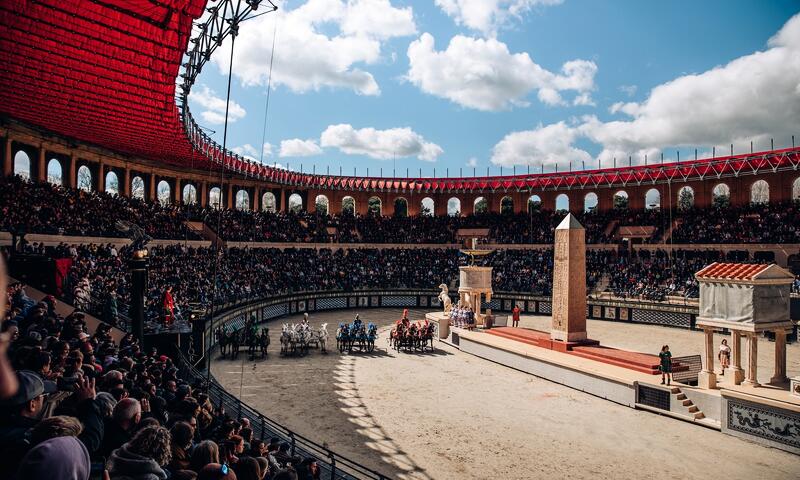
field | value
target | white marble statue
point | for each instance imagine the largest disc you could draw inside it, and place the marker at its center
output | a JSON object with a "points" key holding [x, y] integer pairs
{"points": [[444, 297]]}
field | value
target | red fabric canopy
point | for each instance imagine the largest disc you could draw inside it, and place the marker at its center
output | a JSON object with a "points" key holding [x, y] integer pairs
{"points": [[102, 72]]}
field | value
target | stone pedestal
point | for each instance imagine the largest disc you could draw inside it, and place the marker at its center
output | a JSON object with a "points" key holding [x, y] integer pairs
{"points": [[794, 386], [707, 379], [569, 282], [441, 319]]}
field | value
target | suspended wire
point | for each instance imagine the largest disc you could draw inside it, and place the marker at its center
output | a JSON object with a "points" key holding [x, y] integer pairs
{"points": [[269, 89], [215, 275]]}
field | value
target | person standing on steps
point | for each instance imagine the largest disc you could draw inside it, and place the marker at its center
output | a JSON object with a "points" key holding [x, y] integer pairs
{"points": [[515, 316], [665, 356]]}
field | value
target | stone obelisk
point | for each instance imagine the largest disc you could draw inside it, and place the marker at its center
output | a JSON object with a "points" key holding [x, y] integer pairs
{"points": [[569, 282]]}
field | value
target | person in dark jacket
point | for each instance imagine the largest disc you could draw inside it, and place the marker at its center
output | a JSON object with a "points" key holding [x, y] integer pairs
{"points": [[143, 457], [119, 429], [22, 413]]}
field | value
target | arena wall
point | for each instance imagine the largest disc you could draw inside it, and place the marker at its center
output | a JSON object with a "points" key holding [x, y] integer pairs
{"points": [[41, 148]]}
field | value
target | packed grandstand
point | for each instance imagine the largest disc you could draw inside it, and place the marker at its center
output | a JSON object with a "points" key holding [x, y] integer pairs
{"points": [[262, 232]]}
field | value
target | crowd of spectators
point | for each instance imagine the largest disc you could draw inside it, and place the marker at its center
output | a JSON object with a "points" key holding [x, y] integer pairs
{"points": [[31, 207], [85, 404], [777, 222], [98, 280], [41, 207], [655, 275]]}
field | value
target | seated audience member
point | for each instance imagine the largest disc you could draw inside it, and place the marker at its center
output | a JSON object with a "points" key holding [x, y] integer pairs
{"points": [[216, 471], [60, 458], [20, 415], [204, 453], [143, 458], [119, 429]]}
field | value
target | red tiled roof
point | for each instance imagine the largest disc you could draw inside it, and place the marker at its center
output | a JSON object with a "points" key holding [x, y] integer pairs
{"points": [[731, 271]]}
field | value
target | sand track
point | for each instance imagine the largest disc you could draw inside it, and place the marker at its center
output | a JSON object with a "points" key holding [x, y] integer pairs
{"points": [[451, 415]]}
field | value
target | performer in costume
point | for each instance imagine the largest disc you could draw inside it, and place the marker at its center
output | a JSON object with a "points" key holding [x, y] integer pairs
{"points": [[357, 323], [168, 304]]}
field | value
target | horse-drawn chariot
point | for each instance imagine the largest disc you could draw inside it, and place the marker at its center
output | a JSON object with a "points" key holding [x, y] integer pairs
{"points": [[356, 335]]}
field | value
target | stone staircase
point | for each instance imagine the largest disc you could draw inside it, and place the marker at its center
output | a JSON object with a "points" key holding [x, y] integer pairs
{"points": [[205, 231], [691, 408]]}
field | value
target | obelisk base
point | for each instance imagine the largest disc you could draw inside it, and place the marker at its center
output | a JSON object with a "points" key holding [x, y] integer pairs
{"points": [[569, 337]]}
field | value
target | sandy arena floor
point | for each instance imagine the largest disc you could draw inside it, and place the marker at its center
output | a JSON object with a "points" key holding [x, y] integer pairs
{"points": [[447, 415]]}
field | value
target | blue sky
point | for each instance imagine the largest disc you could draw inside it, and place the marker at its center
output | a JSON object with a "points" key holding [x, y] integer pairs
{"points": [[462, 84]]}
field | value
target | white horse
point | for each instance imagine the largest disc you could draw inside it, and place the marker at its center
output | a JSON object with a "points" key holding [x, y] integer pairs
{"points": [[287, 334], [323, 338], [444, 297]]}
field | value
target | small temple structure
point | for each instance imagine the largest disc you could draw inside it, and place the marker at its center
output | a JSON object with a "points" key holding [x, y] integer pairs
{"points": [[747, 300]]}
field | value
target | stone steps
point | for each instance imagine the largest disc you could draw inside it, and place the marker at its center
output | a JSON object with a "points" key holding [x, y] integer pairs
{"points": [[690, 407]]}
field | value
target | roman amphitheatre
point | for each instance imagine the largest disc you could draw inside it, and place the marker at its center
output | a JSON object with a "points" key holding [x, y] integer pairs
{"points": [[378, 239]]}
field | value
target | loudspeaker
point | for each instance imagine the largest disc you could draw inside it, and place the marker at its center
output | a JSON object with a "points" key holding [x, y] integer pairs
{"points": [[38, 271]]}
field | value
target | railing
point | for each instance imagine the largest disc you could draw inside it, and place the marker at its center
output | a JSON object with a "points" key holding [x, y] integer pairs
{"points": [[333, 466]]}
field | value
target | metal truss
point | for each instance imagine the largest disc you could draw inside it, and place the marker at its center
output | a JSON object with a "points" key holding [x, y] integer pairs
{"points": [[223, 20]]}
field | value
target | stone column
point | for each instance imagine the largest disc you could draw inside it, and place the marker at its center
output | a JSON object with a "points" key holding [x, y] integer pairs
{"points": [[229, 200], [41, 173], [8, 164], [707, 378], [126, 182], [735, 370], [101, 177], [72, 176], [152, 195], [203, 194], [752, 360], [780, 358], [256, 198], [178, 192]]}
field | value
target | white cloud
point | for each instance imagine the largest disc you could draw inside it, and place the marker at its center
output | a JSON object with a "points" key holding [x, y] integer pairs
{"points": [[213, 107], [550, 96], [583, 99], [379, 144], [487, 16], [320, 44], [549, 145], [751, 97], [472, 162], [629, 90], [296, 147], [483, 74], [251, 152], [754, 97]]}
